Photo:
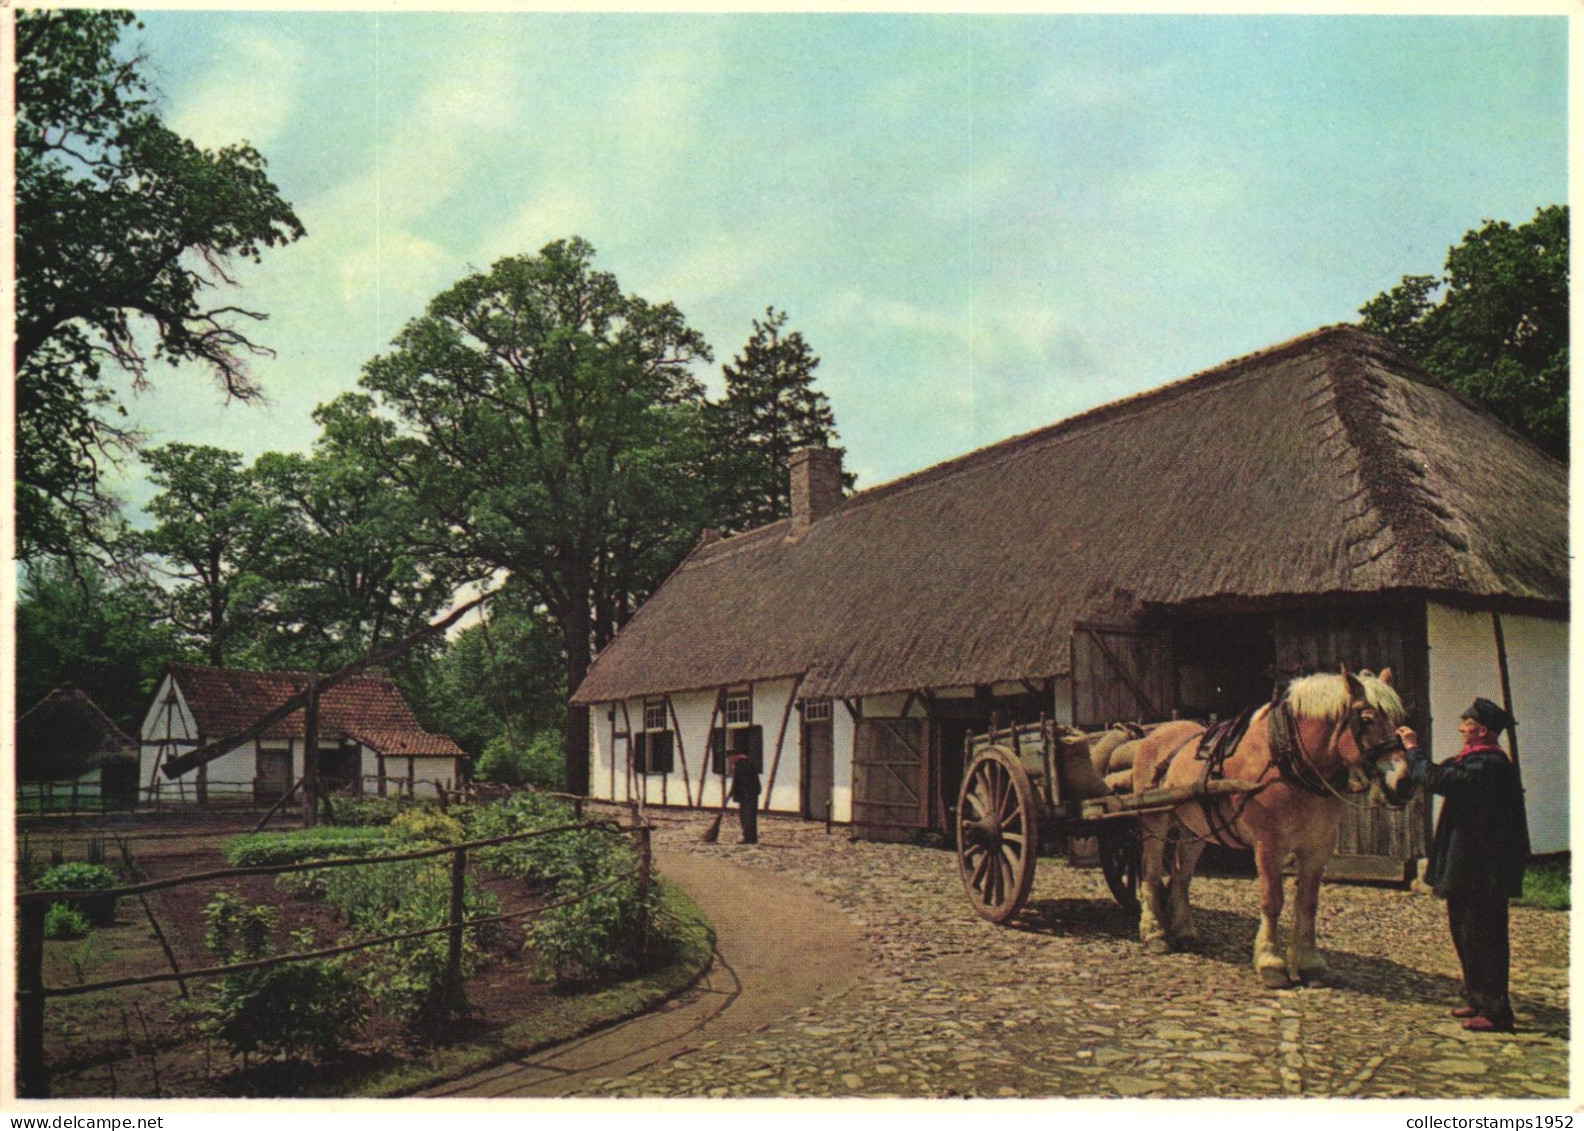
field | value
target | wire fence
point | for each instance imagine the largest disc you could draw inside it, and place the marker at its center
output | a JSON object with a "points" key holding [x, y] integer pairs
{"points": [[33, 1075]]}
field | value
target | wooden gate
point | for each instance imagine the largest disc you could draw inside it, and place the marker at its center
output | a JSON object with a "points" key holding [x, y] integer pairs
{"points": [[890, 778], [1120, 674], [1371, 843]]}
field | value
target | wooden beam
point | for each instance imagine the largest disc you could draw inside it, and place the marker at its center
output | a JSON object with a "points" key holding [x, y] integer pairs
{"points": [[681, 751], [709, 744]]}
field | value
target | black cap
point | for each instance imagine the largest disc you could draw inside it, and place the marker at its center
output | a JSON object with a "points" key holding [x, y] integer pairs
{"points": [[1489, 715]]}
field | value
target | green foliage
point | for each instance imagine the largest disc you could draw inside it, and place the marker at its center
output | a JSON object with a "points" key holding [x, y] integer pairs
{"points": [[1495, 324], [257, 850], [123, 229], [407, 978], [83, 627], [63, 921], [1548, 885], [770, 410], [83, 877], [549, 427], [520, 813], [366, 812], [233, 930], [289, 1010], [427, 825], [597, 935], [539, 762]]}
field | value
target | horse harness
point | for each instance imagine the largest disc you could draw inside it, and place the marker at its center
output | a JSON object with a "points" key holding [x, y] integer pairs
{"points": [[1216, 744]]}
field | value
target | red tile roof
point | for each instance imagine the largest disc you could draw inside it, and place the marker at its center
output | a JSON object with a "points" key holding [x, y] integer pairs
{"points": [[366, 708]]}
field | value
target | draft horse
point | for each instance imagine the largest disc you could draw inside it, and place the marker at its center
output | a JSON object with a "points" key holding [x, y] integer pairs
{"points": [[1328, 735]]}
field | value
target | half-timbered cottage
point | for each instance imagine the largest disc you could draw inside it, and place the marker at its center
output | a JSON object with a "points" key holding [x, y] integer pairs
{"points": [[368, 740], [1176, 553]]}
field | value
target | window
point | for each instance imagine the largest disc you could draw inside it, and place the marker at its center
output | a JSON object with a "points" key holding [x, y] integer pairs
{"points": [[654, 747], [816, 710], [739, 708], [749, 739]]}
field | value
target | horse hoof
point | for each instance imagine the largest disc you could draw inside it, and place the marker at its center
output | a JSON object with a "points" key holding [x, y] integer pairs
{"points": [[1157, 945], [1274, 977]]}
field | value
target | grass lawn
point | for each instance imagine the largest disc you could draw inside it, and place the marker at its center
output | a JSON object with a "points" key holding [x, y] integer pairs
{"points": [[1547, 885]]}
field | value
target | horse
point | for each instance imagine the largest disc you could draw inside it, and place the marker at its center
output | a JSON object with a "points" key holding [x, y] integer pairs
{"points": [[1329, 734]]}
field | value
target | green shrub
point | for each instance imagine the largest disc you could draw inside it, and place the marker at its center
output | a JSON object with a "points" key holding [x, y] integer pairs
{"points": [[427, 826], [366, 812], [233, 929], [596, 935], [407, 978], [308, 1006], [257, 850], [100, 911], [539, 761], [63, 921], [520, 813]]}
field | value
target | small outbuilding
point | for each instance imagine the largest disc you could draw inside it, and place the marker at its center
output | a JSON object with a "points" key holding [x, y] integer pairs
{"points": [[67, 740], [368, 740], [1178, 553]]}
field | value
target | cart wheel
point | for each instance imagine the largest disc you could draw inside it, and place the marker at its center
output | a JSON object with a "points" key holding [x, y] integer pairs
{"points": [[1120, 852], [997, 834]]}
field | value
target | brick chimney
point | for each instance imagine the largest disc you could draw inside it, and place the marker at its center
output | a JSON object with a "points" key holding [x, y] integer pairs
{"points": [[816, 484]]}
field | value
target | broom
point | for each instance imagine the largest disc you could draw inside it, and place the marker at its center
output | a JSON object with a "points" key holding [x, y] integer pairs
{"points": [[712, 834]]}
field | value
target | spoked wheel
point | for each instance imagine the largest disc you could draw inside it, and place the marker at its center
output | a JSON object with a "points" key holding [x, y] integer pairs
{"points": [[1121, 851], [997, 834]]}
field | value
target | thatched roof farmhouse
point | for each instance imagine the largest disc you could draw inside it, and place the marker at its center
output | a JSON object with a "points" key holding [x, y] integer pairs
{"points": [[1322, 501]]}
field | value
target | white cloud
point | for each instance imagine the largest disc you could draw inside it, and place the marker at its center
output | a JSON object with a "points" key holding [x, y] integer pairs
{"points": [[251, 94]]}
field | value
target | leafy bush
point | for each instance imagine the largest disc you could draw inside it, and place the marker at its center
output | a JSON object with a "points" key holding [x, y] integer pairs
{"points": [[596, 935], [540, 761], [63, 921], [520, 813], [1548, 885], [236, 930], [366, 812], [309, 1006], [100, 911], [257, 850], [427, 826], [407, 978]]}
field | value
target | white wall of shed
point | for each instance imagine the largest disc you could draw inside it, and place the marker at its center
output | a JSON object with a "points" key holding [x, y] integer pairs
{"points": [[1464, 665]]}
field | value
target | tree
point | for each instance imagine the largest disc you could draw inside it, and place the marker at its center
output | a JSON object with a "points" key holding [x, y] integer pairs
{"points": [[346, 578], [217, 536], [122, 229], [549, 431], [770, 410], [1495, 325], [98, 632]]}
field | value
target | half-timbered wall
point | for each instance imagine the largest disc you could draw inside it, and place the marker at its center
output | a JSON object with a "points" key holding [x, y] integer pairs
{"points": [[1464, 664]]}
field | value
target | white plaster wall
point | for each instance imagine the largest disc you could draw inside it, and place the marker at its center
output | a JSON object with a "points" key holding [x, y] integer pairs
{"points": [[1061, 708], [883, 706], [1463, 665], [770, 706], [842, 759], [600, 750], [693, 710]]}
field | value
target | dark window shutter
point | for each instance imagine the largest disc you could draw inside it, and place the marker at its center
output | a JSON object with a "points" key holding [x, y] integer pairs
{"points": [[660, 758], [755, 747], [718, 751], [640, 752]]}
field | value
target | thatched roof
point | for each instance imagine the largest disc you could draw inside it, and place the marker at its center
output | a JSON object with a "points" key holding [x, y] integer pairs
{"points": [[65, 735], [1326, 465], [366, 708]]}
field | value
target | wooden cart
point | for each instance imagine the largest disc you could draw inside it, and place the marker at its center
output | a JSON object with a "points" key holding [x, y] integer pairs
{"points": [[1011, 805]]}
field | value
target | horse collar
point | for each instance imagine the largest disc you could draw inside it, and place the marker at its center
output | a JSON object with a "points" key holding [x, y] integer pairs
{"points": [[1292, 760]]}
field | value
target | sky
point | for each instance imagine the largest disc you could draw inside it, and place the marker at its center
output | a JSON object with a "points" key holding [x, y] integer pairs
{"points": [[982, 224]]}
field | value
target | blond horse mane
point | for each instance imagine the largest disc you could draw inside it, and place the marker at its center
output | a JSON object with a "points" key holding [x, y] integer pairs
{"points": [[1324, 695]]}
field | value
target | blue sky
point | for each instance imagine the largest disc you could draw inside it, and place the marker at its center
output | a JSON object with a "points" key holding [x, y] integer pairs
{"points": [[982, 224]]}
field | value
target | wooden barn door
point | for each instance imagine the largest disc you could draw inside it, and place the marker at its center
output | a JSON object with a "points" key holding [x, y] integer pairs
{"points": [[890, 778], [1120, 674], [1371, 843]]}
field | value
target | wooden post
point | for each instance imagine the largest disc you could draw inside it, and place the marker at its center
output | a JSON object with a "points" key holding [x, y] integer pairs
{"points": [[775, 761], [32, 1072], [75, 784], [687, 783], [458, 913], [1506, 686], [310, 778]]}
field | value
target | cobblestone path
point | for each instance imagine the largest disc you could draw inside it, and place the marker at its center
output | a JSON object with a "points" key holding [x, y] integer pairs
{"points": [[1063, 1003]]}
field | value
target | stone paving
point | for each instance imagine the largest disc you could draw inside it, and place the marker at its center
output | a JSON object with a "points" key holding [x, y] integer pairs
{"points": [[1062, 1002]]}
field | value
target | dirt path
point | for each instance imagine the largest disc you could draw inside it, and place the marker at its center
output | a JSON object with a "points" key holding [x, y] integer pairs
{"points": [[778, 949]]}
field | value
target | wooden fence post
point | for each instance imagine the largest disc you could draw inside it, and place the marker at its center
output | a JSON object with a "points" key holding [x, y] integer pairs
{"points": [[32, 1073], [458, 913]]}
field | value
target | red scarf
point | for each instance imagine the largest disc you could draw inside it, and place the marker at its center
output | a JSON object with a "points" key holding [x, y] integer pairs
{"points": [[1478, 747]]}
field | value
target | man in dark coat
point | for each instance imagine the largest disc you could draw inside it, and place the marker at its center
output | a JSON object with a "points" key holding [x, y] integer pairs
{"points": [[745, 791], [1477, 858]]}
